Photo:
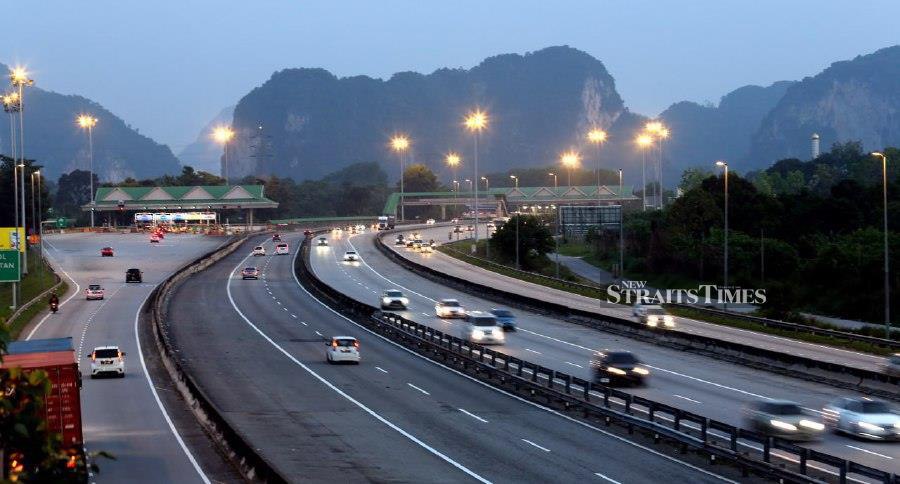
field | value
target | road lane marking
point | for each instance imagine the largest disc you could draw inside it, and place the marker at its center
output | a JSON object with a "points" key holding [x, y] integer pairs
{"points": [[870, 452], [381, 369], [538, 446], [685, 398], [417, 388], [533, 351], [607, 479], [320, 334], [476, 417], [76, 293], [574, 364], [294, 316], [342, 393]]}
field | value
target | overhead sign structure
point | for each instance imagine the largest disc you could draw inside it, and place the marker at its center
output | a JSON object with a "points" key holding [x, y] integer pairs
{"points": [[10, 238], [9, 266]]}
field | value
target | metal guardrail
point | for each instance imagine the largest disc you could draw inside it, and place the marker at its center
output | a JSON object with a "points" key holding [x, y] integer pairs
{"points": [[749, 450], [638, 330], [35, 300]]}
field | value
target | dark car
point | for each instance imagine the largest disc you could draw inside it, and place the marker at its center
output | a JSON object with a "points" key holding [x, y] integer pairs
{"points": [[505, 318], [276, 238], [618, 368], [250, 273], [134, 275]]}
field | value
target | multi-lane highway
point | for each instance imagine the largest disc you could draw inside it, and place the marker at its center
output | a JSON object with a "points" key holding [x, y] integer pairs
{"points": [[257, 348], [703, 385], [124, 417]]}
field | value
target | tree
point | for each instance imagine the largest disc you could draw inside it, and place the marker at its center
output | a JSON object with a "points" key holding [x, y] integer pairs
{"points": [[419, 178], [73, 191], [535, 240], [691, 178], [7, 203]]}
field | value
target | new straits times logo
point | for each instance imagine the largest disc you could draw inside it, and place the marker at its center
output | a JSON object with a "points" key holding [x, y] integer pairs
{"points": [[630, 292]]}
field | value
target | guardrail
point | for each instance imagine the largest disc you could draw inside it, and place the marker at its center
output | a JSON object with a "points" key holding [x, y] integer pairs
{"points": [[841, 376], [748, 450], [39, 298]]}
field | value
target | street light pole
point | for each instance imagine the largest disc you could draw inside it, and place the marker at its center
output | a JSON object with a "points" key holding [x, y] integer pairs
{"points": [[555, 184], [400, 143], [621, 230], [19, 78], [597, 137], [223, 134], [88, 122], [475, 122], [724, 165], [887, 283], [453, 160]]}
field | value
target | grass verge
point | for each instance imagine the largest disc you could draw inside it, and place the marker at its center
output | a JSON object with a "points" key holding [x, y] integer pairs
{"points": [[39, 279]]}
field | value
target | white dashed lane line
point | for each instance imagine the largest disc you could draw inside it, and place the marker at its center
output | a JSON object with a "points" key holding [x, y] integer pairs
{"points": [[870, 452], [381, 369], [417, 388], [535, 445], [607, 479], [686, 398], [476, 417]]}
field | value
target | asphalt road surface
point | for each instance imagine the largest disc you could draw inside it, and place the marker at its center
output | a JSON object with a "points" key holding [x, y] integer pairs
{"points": [[257, 347], [121, 416], [707, 386]]}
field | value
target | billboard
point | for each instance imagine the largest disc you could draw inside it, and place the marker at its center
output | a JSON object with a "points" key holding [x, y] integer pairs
{"points": [[9, 266], [10, 237], [579, 218]]}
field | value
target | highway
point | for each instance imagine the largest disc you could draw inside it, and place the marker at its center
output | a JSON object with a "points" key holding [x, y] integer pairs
{"points": [[257, 349], [707, 386], [124, 417]]}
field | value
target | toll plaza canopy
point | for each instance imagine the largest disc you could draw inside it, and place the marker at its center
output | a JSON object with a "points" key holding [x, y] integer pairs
{"points": [[210, 197]]}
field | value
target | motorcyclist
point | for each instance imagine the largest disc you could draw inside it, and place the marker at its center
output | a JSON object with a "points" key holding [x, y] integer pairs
{"points": [[54, 300]]}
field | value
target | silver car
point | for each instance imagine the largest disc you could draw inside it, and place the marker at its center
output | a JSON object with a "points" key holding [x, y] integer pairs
{"points": [[782, 418], [483, 328], [864, 418]]}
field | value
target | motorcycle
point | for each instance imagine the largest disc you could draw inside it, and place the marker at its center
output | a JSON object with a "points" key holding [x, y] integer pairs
{"points": [[54, 307]]}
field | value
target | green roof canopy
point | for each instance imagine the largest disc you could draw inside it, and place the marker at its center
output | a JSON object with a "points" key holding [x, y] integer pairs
{"points": [[205, 197]]}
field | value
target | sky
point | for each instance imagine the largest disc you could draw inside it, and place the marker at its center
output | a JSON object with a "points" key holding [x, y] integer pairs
{"points": [[167, 67]]}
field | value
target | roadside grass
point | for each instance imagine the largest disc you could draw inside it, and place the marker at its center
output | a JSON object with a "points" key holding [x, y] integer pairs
{"points": [[18, 324], [37, 281]]}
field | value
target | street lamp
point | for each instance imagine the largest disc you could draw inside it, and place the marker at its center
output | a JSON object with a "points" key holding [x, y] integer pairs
{"points": [[37, 218], [88, 122], [660, 136], [887, 291], [453, 160], [487, 185], [621, 230], [400, 143], [597, 136], [643, 141], [555, 184], [470, 184], [724, 165], [18, 77], [223, 134], [570, 160], [515, 179], [475, 122]]}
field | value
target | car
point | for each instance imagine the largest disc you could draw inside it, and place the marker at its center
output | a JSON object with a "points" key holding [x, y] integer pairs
{"points": [[351, 256], [337, 230], [393, 299], [892, 365], [361, 228], [449, 308], [399, 240], [323, 242], [863, 417], [154, 239], [785, 419], [432, 243], [250, 273], [491, 225], [93, 292], [482, 328], [134, 275], [455, 221], [417, 244], [429, 221], [470, 228], [276, 238], [107, 360], [640, 303], [655, 316], [617, 368], [106, 252], [505, 318], [426, 248], [457, 229], [342, 348], [410, 243], [281, 248], [258, 250]]}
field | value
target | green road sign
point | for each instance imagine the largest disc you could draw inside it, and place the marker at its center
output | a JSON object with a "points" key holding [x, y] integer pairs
{"points": [[62, 223], [9, 266]]}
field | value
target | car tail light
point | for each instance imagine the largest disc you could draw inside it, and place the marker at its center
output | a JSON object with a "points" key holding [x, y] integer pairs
{"points": [[356, 344], [334, 344]]}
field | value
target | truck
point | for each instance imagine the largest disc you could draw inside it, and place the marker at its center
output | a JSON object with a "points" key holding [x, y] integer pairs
{"points": [[386, 222], [62, 405]]}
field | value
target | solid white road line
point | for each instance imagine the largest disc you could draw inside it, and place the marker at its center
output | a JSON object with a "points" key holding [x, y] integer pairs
{"points": [[685, 398], [381, 369], [75, 293], [417, 388], [538, 446], [476, 417], [870, 452], [340, 392], [607, 479]]}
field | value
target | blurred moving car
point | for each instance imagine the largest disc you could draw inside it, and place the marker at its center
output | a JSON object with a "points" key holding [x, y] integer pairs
{"points": [[393, 299], [154, 239], [399, 240], [258, 250], [94, 291], [457, 229], [323, 242], [429, 221], [276, 238], [470, 228], [351, 256], [281, 248], [482, 328], [410, 243], [426, 248], [782, 418], [342, 348], [655, 316], [106, 252], [134, 275], [618, 367], [505, 318], [449, 308], [250, 273], [892, 365], [106, 360], [864, 418], [641, 303]]}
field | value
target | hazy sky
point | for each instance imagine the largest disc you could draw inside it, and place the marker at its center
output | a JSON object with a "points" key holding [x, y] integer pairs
{"points": [[168, 66]]}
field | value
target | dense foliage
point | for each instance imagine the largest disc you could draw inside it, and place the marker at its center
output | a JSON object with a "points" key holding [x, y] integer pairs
{"points": [[7, 201], [535, 241]]}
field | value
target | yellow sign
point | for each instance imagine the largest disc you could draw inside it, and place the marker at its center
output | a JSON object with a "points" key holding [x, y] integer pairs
{"points": [[10, 238]]}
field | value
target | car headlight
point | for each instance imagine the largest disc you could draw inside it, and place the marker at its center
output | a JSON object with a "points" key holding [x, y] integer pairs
{"points": [[404, 301], [669, 321], [778, 424], [651, 321], [868, 426], [812, 425], [641, 371], [615, 371], [385, 300], [477, 334], [498, 333], [897, 425]]}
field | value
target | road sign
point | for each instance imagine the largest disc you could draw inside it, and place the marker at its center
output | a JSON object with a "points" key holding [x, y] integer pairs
{"points": [[62, 223], [10, 237], [9, 265]]}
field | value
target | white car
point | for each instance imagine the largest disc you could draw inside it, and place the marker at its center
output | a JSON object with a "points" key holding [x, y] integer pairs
{"points": [[342, 348], [655, 316], [429, 221], [94, 291], [351, 256], [258, 250], [281, 248], [393, 299], [482, 328], [449, 308], [107, 360], [427, 248], [863, 417], [635, 310]]}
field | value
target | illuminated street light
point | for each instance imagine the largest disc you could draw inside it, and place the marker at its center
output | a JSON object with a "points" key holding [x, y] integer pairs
{"points": [[570, 160], [723, 164], [887, 291], [476, 122], [18, 77], [88, 122], [400, 143], [453, 159], [597, 137], [223, 134], [516, 179], [555, 184], [643, 141]]}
